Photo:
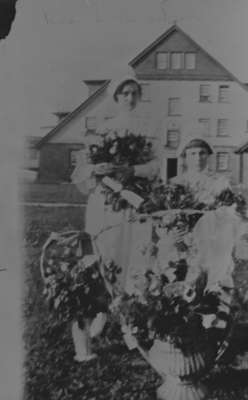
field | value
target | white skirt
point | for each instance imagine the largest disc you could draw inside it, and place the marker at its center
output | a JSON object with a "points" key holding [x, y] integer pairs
{"points": [[117, 238]]}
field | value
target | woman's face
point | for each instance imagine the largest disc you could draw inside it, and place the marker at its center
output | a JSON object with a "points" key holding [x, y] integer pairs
{"points": [[129, 96], [196, 159]]}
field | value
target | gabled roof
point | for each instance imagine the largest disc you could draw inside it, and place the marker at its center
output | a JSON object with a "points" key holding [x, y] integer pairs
{"points": [[175, 28], [152, 46], [71, 115], [133, 63]]}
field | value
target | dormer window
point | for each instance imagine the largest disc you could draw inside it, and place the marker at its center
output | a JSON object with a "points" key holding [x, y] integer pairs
{"points": [[190, 60], [177, 61], [162, 60]]}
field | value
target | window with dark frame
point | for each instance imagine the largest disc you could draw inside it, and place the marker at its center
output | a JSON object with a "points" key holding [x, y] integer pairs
{"points": [[162, 60], [90, 123], [222, 161], [205, 95], [224, 94], [172, 138], [177, 60], [222, 127], [190, 60]]}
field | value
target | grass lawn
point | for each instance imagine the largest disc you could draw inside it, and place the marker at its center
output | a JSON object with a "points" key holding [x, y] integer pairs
{"points": [[117, 374], [52, 193]]}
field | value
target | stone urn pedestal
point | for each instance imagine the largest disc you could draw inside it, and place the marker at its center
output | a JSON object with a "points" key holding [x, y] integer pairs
{"points": [[180, 370]]}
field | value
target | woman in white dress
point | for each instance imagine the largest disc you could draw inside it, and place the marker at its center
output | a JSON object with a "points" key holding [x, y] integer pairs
{"points": [[115, 244], [216, 233], [205, 184]]}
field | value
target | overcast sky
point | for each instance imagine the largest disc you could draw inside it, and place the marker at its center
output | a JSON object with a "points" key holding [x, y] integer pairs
{"points": [[55, 44]]}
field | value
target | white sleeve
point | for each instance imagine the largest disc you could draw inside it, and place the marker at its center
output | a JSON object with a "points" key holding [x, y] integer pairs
{"points": [[148, 170], [151, 169], [83, 169], [221, 184]]}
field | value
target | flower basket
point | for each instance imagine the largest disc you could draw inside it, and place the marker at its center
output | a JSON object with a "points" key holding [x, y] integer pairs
{"points": [[74, 287], [181, 368]]}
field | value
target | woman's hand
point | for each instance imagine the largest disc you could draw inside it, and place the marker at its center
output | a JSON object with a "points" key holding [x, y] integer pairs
{"points": [[103, 168], [108, 168], [125, 170]]}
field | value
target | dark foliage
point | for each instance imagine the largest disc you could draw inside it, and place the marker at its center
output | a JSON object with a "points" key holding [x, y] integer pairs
{"points": [[129, 149], [117, 374]]}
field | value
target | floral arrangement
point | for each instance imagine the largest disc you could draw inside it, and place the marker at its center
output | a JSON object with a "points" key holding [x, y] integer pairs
{"points": [[187, 315], [166, 197], [176, 196], [228, 198], [124, 151], [173, 301], [74, 286], [129, 149]]}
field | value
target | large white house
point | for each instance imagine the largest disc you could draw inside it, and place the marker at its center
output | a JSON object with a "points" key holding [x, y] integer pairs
{"points": [[185, 92]]}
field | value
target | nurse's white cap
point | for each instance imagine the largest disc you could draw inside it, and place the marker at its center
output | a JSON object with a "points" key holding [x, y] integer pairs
{"points": [[122, 77]]}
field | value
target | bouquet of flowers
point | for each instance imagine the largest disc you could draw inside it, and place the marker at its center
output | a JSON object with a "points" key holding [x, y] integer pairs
{"points": [[124, 151], [228, 198], [130, 149], [176, 196], [74, 285]]}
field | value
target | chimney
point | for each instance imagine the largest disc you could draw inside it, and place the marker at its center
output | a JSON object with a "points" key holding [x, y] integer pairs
{"points": [[61, 115], [94, 85]]}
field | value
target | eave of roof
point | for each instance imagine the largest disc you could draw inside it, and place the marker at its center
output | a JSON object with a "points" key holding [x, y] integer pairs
{"points": [[32, 139], [242, 149], [61, 113], [96, 81], [71, 115]]}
